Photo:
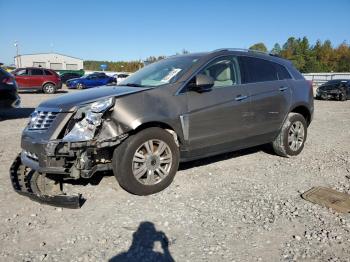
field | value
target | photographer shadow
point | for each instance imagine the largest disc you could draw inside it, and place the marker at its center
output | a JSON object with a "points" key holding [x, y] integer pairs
{"points": [[143, 243]]}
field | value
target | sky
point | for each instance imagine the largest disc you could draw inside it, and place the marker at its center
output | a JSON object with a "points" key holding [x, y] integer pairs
{"points": [[133, 30]]}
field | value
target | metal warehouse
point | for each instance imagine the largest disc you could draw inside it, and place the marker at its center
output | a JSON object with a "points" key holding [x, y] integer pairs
{"points": [[53, 61]]}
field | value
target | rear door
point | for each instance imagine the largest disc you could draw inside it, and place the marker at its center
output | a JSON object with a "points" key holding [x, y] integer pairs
{"points": [[219, 116], [270, 92]]}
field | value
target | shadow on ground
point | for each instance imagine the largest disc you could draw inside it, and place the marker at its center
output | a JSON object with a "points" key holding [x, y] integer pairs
{"points": [[15, 113], [143, 244], [217, 158]]}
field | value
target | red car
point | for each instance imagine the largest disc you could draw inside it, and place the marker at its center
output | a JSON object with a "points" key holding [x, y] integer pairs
{"points": [[38, 79]]}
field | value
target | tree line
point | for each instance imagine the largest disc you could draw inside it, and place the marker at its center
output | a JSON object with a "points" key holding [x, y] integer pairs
{"points": [[121, 66], [125, 66], [307, 58]]}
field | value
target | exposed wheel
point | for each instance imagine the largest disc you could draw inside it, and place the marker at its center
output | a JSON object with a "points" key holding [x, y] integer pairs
{"points": [[80, 86], [49, 88], [146, 163], [290, 141]]}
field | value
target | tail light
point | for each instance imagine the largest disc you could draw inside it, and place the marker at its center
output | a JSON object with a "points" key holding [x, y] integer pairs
{"points": [[8, 81]]}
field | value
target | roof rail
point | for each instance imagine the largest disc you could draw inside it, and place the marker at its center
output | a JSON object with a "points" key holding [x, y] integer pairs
{"points": [[242, 50]]}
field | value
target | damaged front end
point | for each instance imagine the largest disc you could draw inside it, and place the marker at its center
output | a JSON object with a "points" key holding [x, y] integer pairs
{"points": [[83, 147]]}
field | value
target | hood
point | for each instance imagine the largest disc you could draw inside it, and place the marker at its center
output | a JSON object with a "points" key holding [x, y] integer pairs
{"points": [[68, 102]]}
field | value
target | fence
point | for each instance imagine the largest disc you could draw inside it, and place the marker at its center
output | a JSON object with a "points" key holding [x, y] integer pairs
{"points": [[321, 78]]}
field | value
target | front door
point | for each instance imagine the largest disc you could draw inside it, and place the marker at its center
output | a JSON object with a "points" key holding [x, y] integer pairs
{"points": [[218, 117], [22, 78]]}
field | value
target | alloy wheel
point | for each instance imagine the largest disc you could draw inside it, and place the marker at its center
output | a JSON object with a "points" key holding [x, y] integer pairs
{"points": [[152, 162], [296, 136]]}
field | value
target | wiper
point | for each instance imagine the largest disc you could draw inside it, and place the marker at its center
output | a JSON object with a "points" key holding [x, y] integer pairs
{"points": [[133, 84]]}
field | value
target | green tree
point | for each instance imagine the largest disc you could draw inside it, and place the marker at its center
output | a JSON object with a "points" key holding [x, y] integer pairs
{"points": [[276, 50], [259, 47]]}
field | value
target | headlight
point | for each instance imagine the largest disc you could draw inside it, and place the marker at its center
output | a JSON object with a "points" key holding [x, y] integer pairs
{"points": [[91, 118]]}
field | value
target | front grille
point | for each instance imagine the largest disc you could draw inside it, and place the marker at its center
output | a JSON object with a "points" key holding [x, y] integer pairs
{"points": [[41, 120]]}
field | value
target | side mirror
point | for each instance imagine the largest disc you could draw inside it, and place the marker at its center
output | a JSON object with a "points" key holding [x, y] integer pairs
{"points": [[203, 83]]}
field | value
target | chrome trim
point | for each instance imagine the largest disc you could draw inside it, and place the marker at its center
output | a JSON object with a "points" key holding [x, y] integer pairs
{"points": [[185, 126]]}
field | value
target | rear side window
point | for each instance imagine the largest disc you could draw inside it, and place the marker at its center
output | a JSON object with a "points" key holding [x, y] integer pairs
{"points": [[282, 72], [258, 70], [36, 72], [48, 73]]}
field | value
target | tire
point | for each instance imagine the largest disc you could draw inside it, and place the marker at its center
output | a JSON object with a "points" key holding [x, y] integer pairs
{"points": [[283, 144], [80, 86], [49, 88], [126, 170]]}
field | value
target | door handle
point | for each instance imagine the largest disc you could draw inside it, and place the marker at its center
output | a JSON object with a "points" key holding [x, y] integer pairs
{"points": [[240, 98], [283, 88]]}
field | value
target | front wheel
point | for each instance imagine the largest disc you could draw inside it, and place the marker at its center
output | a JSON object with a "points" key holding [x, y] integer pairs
{"points": [[49, 88], [291, 139], [146, 163], [80, 86]]}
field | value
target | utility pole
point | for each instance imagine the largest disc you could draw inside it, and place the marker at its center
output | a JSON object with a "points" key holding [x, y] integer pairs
{"points": [[18, 59]]}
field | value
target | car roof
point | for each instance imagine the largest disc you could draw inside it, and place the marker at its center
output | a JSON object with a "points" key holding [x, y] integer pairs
{"points": [[237, 51]]}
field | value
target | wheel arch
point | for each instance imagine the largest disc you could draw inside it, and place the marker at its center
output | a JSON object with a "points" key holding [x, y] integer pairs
{"points": [[163, 125], [304, 111], [48, 82]]}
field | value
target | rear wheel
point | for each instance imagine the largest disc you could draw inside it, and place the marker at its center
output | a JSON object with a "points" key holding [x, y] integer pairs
{"points": [[49, 88], [291, 139], [146, 163]]}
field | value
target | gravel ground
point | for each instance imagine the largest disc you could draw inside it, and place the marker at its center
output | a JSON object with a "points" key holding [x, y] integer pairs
{"points": [[242, 206]]}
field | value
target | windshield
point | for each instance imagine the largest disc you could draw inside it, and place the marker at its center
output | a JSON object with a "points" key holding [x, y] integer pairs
{"points": [[160, 73]]}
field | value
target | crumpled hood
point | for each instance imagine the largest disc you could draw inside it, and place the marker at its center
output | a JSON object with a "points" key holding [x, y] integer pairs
{"points": [[68, 102]]}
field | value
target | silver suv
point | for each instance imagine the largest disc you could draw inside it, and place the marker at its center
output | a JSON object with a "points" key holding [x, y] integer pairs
{"points": [[178, 109]]}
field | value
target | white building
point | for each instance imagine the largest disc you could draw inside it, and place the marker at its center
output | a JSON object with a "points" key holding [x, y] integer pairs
{"points": [[49, 60]]}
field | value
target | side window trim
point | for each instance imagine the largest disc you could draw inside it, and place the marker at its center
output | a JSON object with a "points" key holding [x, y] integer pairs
{"points": [[246, 72]]}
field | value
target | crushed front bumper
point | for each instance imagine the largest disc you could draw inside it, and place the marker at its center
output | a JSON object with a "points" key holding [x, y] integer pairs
{"points": [[34, 185]]}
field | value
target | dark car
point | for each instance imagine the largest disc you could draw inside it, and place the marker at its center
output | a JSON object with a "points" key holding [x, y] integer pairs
{"points": [[338, 89], [68, 76], [178, 109], [92, 80], [37, 79], [8, 90]]}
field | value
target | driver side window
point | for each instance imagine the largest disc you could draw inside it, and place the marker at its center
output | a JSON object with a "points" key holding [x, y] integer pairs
{"points": [[224, 71]]}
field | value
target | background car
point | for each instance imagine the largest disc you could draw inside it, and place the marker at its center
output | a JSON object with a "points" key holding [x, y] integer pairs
{"points": [[120, 77], [67, 76], [92, 80], [37, 79], [8, 90], [338, 89]]}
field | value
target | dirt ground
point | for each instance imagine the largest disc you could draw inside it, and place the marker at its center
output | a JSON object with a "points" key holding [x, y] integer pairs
{"points": [[242, 206]]}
